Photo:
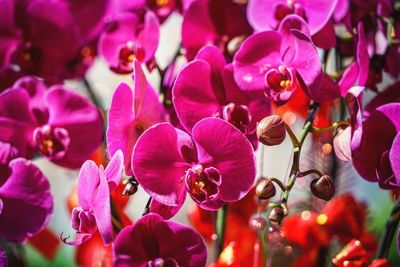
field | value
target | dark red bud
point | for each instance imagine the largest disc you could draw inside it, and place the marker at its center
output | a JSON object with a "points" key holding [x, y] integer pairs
{"points": [[323, 187], [271, 130], [265, 189], [276, 214]]}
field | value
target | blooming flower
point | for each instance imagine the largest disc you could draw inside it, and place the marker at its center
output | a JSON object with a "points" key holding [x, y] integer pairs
{"points": [[129, 36], [148, 243], [205, 88], [215, 165], [374, 149], [213, 22], [62, 125], [94, 212], [130, 114], [267, 14], [35, 33], [282, 61], [25, 191]]}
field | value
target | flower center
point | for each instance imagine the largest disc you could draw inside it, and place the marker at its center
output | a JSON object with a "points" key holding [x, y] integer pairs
{"points": [[83, 221], [280, 84], [291, 7], [203, 184], [127, 53], [237, 115], [52, 142], [159, 262]]}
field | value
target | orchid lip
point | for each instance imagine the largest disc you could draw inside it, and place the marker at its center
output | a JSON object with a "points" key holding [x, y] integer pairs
{"points": [[203, 183], [51, 141], [237, 115]]}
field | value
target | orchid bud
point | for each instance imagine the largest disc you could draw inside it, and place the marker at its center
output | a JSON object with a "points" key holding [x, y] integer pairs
{"points": [[341, 144], [131, 186], [265, 189], [276, 214], [323, 187], [271, 130], [257, 223]]}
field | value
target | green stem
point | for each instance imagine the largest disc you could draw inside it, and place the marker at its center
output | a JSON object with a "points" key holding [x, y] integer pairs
{"points": [[390, 230], [331, 127], [297, 149], [220, 228]]}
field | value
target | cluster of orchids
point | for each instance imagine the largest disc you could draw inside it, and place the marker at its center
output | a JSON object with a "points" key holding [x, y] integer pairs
{"points": [[241, 71]]}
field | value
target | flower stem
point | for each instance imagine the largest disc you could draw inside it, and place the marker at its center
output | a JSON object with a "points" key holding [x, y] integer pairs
{"points": [[92, 95], [220, 228], [297, 149], [390, 230], [147, 207], [331, 127]]}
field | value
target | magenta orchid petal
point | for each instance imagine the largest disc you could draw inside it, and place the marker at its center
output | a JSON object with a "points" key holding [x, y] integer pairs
{"points": [[167, 212], [326, 37], [389, 94], [394, 157], [214, 140], [266, 14], [16, 120], [130, 114], [102, 209], [193, 95], [328, 90], [36, 89], [26, 191], [89, 180], [114, 170], [371, 159], [307, 63], [149, 240], [120, 134], [248, 64], [80, 119], [160, 163], [357, 72], [147, 106], [7, 153]]}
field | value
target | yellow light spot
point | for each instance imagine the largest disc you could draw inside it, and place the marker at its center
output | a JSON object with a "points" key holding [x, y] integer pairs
{"points": [[306, 215], [327, 148], [282, 84], [287, 84], [227, 256], [321, 219], [162, 3], [131, 57]]}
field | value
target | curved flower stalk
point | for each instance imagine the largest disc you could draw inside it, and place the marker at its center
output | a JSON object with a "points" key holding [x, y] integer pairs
{"points": [[280, 62], [215, 165], [148, 243], [23, 190], [60, 124], [130, 114], [267, 14], [129, 36], [94, 212], [206, 88]]}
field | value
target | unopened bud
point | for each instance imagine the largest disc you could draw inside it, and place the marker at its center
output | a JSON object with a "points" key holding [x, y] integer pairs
{"points": [[276, 214], [257, 223], [271, 130], [265, 189], [131, 186], [323, 187]]}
